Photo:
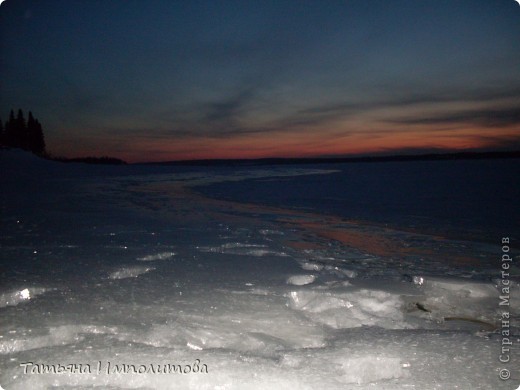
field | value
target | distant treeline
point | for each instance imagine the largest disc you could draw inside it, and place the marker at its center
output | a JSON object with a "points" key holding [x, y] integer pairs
{"points": [[24, 134], [28, 135], [335, 160], [91, 160]]}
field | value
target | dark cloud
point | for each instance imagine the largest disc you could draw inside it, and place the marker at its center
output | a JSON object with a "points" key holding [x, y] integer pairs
{"points": [[501, 117], [406, 96], [326, 114], [409, 97], [226, 112], [230, 115]]}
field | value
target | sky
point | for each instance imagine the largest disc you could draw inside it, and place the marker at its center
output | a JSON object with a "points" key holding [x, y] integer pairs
{"points": [[166, 80]]}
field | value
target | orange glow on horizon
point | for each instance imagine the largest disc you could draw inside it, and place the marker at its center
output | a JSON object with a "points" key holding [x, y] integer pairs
{"points": [[288, 145]]}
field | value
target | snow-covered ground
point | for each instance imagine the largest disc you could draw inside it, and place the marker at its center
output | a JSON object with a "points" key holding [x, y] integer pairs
{"points": [[128, 277]]}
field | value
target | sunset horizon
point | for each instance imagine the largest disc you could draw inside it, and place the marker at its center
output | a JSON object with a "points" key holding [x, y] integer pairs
{"points": [[162, 81]]}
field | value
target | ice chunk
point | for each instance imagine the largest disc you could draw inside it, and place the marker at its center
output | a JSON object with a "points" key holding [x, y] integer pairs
{"points": [[13, 298], [350, 310], [461, 287], [459, 298], [252, 332], [347, 365], [25, 294], [315, 302], [370, 368], [130, 272], [158, 256], [238, 248], [25, 339], [300, 280], [340, 271], [267, 232], [310, 266]]}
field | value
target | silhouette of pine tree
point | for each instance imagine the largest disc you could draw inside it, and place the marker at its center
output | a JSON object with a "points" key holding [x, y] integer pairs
{"points": [[38, 140], [2, 133], [21, 134], [21, 131], [31, 133], [10, 131]]}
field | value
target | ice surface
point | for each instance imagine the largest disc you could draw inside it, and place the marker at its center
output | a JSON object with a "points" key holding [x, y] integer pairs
{"points": [[130, 272], [13, 298], [354, 368], [310, 266], [300, 280], [245, 332], [238, 248], [27, 339], [463, 299], [157, 256], [128, 265], [350, 309]]}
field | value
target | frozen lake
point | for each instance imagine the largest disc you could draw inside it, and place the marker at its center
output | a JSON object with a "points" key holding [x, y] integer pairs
{"points": [[467, 199], [344, 276]]}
